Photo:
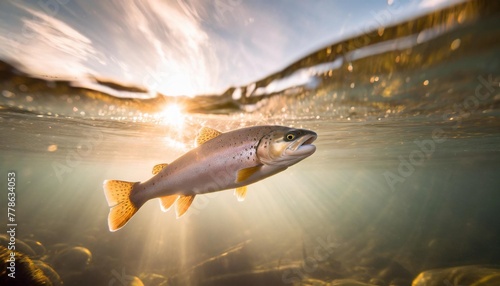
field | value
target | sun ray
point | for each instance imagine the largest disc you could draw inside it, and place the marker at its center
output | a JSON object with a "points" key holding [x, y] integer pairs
{"points": [[172, 115]]}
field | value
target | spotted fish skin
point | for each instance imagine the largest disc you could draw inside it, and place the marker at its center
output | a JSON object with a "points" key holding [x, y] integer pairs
{"points": [[217, 162], [222, 161]]}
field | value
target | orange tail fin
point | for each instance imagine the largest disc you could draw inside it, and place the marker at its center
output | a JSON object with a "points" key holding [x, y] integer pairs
{"points": [[118, 197]]}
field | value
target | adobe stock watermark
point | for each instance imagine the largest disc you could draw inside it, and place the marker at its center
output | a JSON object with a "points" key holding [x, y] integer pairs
{"points": [[380, 20], [483, 91], [121, 278], [153, 80], [323, 250], [416, 158], [74, 158], [425, 148], [224, 6], [50, 8], [221, 8], [210, 190]]}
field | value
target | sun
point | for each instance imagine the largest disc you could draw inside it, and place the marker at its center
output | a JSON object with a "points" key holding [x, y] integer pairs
{"points": [[172, 115]]}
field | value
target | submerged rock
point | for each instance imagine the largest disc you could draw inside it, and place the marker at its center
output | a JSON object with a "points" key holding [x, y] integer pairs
{"points": [[233, 260], [21, 246], [348, 282], [37, 247], [94, 276], [382, 271], [400, 282], [377, 281], [25, 271], [73, 259], [395, 272], [464, 275], [49, 272], [152, 279], [135, 282], [257, 277], [313, 282]]}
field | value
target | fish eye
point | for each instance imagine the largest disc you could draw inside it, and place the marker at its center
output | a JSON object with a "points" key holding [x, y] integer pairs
{"points": [[289, 137]]}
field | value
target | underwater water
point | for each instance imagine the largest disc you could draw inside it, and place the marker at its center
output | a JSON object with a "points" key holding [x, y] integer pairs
{"points": [[404, 188]]}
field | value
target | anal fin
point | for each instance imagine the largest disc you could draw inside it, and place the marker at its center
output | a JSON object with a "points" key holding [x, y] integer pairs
{"points": [[182, 204], [167, 202], [240, 193], [158, 168]]}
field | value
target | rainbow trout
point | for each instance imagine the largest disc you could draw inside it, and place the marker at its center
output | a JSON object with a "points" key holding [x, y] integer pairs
{"points": [[221, 161]]}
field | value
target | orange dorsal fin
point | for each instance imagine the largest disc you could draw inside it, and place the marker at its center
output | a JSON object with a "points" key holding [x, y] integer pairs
{"points": [[158, 168], [205, 134]]}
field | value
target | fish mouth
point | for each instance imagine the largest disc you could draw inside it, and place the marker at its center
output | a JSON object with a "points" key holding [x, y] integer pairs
{"points": [[303, 145]]}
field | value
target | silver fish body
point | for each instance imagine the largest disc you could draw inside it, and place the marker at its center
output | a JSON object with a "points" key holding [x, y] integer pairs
{"points": [[222, 161]]}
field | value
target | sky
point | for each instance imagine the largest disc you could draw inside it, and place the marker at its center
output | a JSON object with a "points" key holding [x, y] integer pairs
{"points": [[184, 47]]}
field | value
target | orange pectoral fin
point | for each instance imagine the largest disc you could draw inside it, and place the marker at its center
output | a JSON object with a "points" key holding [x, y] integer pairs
{"points": [[244, 174]]}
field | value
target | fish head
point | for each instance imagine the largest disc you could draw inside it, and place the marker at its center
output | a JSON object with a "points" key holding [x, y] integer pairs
{"points": [[285, 146]]}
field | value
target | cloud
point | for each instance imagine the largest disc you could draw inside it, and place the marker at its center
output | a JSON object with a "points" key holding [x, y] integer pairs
{"points": [[58, 35], [437, 3], [48, 46], [174, 53]]}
